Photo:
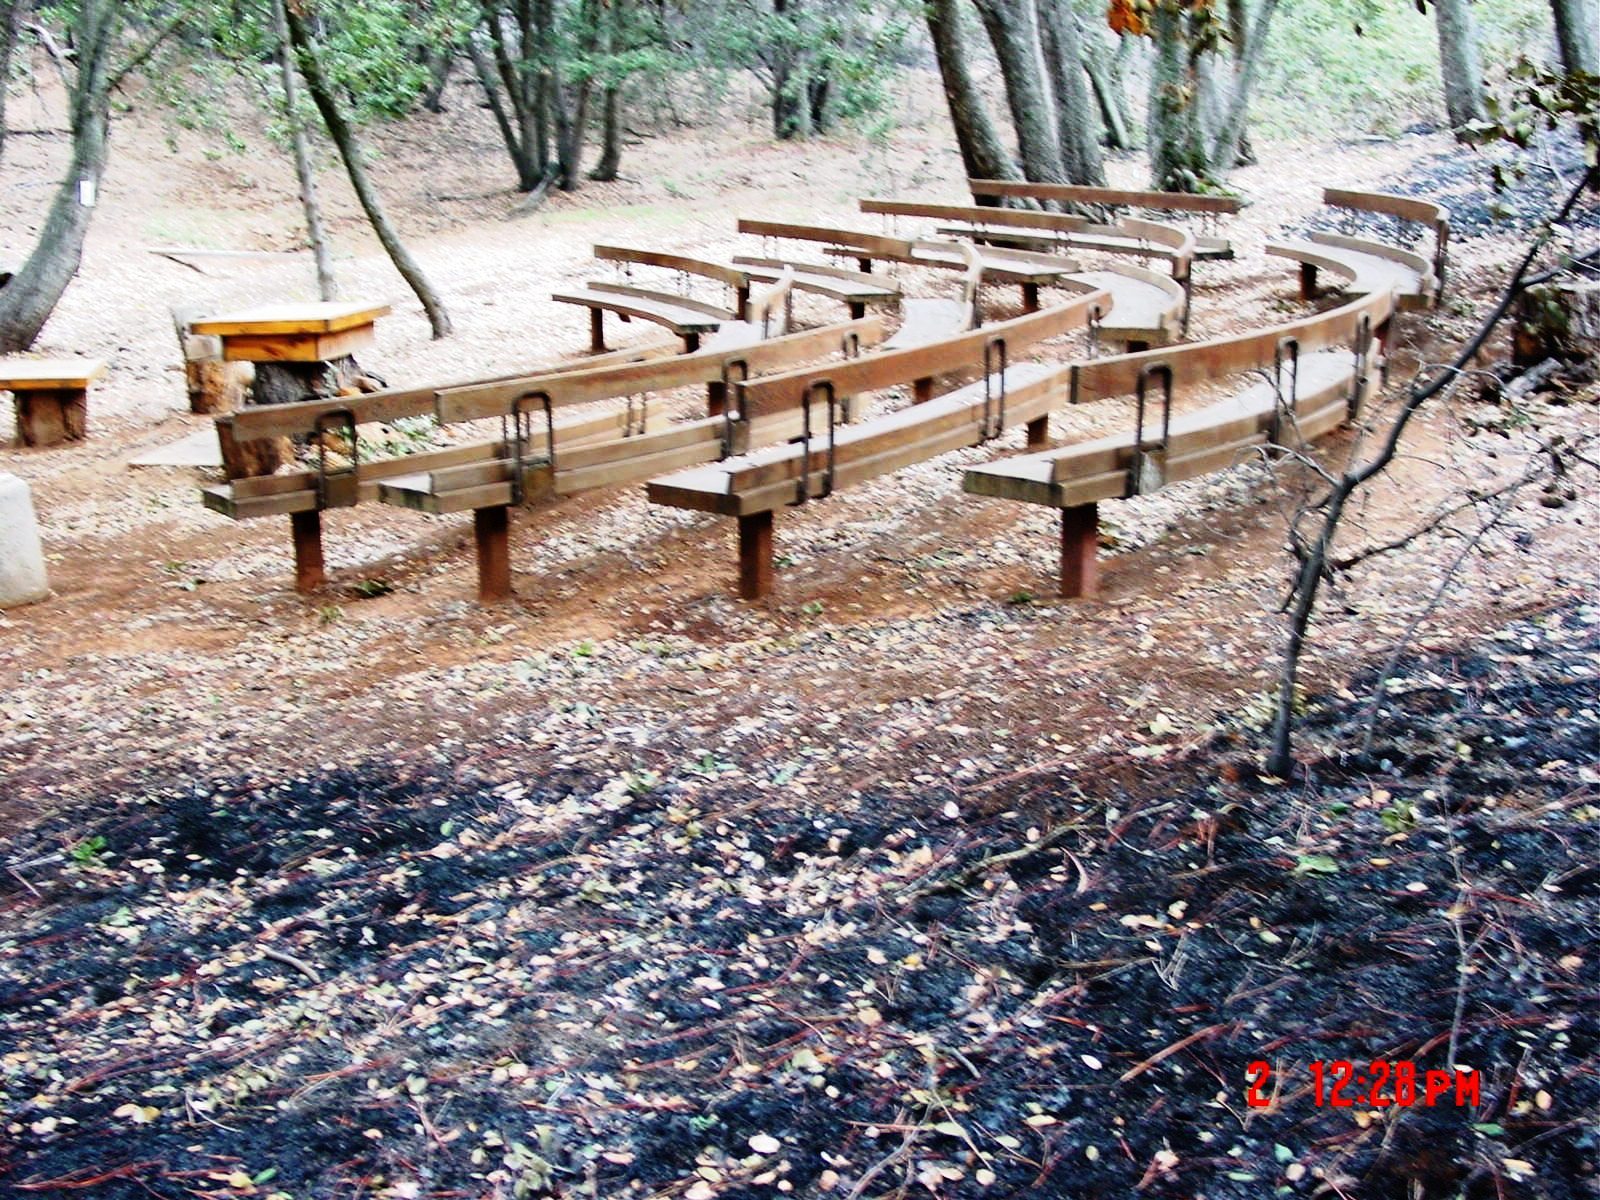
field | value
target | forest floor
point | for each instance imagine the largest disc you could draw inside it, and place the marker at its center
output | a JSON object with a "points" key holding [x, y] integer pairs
{"points": [[913, 880]]}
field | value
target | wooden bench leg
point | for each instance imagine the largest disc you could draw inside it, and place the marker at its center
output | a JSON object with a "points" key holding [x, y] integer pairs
{"points": [[858, 309], [1080, 549], [865, 264], [755, 555], [691, 342], [1030, 297], [1308, 281], [1039, 433], [716, 398], [597, 331], [491, 530], [922, 391], [50, 416], [306, 528], [1137, 347]]}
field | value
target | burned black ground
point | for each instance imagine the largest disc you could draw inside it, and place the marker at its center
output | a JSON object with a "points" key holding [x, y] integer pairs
{"points": [[462, 977]]}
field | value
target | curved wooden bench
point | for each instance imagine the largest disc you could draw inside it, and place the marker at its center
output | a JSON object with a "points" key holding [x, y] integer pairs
{"points": [[1362, 265], [811, 466], [1435, 217], [687, 318], [1028, 271], [854, 288], [302, 495], [1147, 307], [1321, 366], [927, 320], [1208, 208]]}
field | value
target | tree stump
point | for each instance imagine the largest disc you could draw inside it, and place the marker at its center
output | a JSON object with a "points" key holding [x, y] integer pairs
{"points": [[47, 416], [1558, 320], [286, 383]]}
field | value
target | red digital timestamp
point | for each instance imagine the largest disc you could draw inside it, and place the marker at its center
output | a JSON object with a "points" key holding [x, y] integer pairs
{"points": [[1382, 1083]]}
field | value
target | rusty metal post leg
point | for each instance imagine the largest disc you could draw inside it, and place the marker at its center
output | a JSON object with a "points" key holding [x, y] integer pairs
{"points": [[1308, 281], [1039, 433], [1030, 297], [306, 528], [491, 529], [1080, 547], [922, 390], [755, 555]]}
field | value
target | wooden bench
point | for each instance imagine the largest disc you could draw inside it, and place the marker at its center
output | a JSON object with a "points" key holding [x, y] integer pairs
{"points": [[828, 455], [1207, 208], [50, 397], [533, 466], [303, 495], [1360, 265], [1319, 371], [1061, 231], [1028, 271], [1406, 209], [686, 317], [857, 289]]}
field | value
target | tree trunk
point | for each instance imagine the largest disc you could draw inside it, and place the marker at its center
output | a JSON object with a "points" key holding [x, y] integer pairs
{"points": [[1177, 158], [439, 67], [788, 114], [1110, 95], [1075, 114], [610, 137], [327, 287], [344, 139], [983, 154], [1014, 32], [28, 299], [1578, 34], [11, 14], [1229, 146], [1458, 62]]}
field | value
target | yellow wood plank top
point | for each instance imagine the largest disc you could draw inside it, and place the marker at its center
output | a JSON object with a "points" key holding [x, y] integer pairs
{"points": [[308, 318], [46, 373]]}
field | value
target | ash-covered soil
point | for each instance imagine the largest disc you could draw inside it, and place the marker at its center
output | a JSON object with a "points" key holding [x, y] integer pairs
{"points": [[448, 975]]}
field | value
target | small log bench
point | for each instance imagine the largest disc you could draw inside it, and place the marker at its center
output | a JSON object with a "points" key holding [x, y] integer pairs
{"points": [[1318, 372], [828, 454], [50, 397]]}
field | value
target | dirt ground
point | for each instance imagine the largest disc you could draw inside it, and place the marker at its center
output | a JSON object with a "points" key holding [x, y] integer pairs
{"points": [[914, 676]]}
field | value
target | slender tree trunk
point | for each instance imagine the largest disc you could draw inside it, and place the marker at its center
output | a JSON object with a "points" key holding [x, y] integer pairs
{"points": [[344, 138], [440, 65], [788, 116], [11, 14], [610, 137], [1177, 158], [983, 154], [1014, 32], [327, 286], [1578, 34], [1230, 135], [1458, 62], [1075, 114], [31, 295], [1109, 93]]}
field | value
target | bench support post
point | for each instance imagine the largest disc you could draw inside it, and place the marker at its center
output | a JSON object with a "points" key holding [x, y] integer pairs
{"points": [[1030, 297], [1308, 281], [858, 309], [691, 342], [597, 331], [755, 555], [491, 530], [865, 264], [50, 416], [922, 390], [1135, 346], [1080, 548], [306, 528], [716, 398], [1039, 433]]}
